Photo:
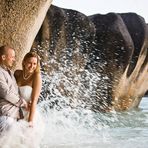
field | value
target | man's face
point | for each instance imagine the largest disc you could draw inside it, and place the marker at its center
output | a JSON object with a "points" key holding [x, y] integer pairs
{"points": [[9, 57]]}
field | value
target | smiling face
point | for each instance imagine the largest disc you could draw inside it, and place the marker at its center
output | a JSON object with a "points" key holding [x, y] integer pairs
{"points": [[30, 64], [7, 56], [10, 57]]}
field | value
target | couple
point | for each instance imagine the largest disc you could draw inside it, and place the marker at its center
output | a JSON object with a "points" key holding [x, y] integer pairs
{"points": [[19, 93]]}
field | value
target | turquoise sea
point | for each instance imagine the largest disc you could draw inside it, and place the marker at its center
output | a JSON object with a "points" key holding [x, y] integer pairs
{"points": [[81, 128]]}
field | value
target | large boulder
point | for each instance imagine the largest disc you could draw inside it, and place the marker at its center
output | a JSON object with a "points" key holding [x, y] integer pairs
{"points": [[122, 43], [68, 34], [102, 58], [20, 22]]}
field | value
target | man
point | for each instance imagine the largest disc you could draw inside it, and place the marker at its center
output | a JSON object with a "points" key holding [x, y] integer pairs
{"points": [[10, 102]]}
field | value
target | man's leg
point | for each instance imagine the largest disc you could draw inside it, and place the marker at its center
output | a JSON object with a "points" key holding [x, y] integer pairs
{"points": [[5, 124]]}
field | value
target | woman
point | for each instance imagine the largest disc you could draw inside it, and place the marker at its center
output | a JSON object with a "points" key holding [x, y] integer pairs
{"points": [[29, 82]]}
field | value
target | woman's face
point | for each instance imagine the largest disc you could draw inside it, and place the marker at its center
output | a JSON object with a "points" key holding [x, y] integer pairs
{"points": [[30, 64]]}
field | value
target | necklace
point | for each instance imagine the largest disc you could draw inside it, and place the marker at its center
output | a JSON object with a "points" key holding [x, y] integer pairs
{"points": [[26, 77]]}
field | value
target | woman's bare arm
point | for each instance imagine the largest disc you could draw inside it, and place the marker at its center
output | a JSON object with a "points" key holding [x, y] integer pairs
{"points": [[37, 84]]}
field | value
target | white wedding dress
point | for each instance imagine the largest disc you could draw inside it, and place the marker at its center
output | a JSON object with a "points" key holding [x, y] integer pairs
{"points": [[25, 136], [25, 93], [37, 131]]}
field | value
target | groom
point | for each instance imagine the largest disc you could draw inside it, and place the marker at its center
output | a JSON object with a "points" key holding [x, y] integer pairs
{"points": [[10, 102]]}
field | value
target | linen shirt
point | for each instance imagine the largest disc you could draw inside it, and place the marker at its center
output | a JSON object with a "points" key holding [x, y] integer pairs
{"points": [[9, 95]]}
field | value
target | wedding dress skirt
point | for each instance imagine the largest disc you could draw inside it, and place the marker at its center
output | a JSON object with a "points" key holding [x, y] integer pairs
{"points": [[25, 93], [23, 135], [36, 132]]}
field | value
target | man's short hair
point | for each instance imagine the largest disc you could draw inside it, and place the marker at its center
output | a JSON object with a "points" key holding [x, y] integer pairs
{"points": [[3, 49]]}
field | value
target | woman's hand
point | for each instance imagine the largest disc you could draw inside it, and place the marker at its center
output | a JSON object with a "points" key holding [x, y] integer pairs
{"points": [[30, 124]]}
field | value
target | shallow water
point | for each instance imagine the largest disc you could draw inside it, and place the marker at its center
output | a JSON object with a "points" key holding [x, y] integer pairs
{"points": [[79, 128], [66, 126]]}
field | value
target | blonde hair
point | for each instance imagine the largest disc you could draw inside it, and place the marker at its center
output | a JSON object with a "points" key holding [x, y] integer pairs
{"points": [[30, 55]]}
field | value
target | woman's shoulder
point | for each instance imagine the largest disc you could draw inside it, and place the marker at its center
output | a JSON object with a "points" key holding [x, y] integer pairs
{"points": [[17, 73], [37, 76]]}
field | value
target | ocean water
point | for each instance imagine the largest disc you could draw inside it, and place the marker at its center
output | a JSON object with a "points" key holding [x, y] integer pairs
{"points": [[63, 122], [60, 125], [81, 128]]}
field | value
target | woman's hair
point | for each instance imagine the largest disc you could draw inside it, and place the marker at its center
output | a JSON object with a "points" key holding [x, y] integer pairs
{"points": [[30, 55]]}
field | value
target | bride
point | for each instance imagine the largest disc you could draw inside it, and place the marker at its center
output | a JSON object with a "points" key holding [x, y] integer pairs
{"points": [[29, 82]]}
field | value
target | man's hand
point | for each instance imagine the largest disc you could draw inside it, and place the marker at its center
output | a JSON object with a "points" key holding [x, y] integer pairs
{"points": [[25, 104]]}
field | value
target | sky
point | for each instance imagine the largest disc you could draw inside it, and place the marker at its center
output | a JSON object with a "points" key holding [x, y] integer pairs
{"points": [[90, 7]]}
